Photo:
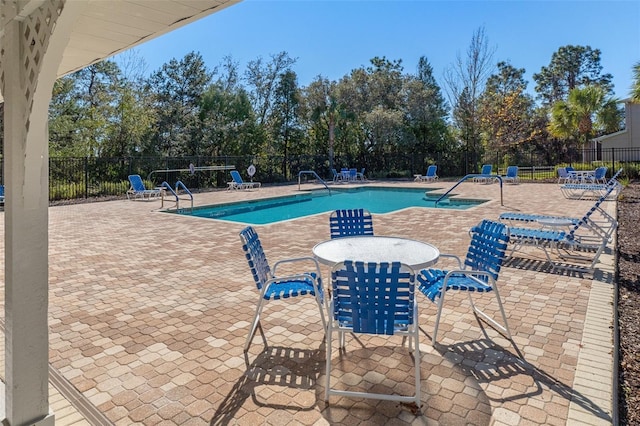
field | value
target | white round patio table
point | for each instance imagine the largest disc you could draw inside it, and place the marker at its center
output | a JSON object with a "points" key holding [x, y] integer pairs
{"points": [[555, 223], [416, 254]]}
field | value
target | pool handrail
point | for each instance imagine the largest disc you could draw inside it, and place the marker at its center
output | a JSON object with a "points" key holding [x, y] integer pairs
{"points": [[311, 172], [498, 177], [165, 185]]}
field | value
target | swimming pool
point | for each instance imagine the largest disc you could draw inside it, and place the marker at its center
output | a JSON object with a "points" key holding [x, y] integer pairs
{"points": [[375, 199]]}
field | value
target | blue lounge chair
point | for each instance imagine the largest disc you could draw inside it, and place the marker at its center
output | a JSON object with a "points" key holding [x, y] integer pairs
{"points": [[512, 175], [373, 298], [238, 183], [274, 287], [360, 175], [138, 190], [604, 227], [485, 175], [2, 194], [582, 191], [575, 244], [430, 176], [477, 274], [347, 223]]}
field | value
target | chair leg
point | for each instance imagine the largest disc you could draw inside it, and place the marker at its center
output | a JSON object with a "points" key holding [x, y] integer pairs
{"points": [[504, 328], [254, 324], [321, 308], [416, 356], [328, 370], [440, 304]]}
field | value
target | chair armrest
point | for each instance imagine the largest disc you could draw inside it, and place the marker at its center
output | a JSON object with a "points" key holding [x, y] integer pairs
{"points": [[297, 259], [453, 256]]}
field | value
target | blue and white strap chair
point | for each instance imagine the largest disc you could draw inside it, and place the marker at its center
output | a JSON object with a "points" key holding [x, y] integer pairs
{"points": [[239, 183], [581, 191], [373, 298], [512, 175], [430, 176], [138, 190], [274, 287], [350, 222], [485, 174], [599, 176], [477, 274], [575, 244]]}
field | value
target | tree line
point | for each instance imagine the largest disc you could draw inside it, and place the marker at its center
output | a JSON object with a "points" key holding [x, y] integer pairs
{"points": [[185, 108]]}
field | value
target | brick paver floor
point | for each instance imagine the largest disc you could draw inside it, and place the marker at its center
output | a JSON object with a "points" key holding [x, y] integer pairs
{"points": [[149, 313]]}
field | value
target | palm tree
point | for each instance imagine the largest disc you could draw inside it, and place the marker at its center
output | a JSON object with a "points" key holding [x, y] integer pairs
{"points": [[635, 89], [585, 110]]}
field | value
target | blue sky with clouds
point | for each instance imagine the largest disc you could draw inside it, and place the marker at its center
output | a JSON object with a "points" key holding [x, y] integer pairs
{"points": [[333, 37]]}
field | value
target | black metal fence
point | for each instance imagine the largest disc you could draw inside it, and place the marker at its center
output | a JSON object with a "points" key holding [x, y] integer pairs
{"points": [[72, 178]]}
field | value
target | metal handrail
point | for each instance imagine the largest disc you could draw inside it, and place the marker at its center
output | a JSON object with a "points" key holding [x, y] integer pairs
{"points": [[472, 176], [311, 172], [165, 185], [184, 188]]}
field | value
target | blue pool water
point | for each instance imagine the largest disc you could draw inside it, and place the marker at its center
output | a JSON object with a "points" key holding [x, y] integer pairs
{"points": [[376, 200]]}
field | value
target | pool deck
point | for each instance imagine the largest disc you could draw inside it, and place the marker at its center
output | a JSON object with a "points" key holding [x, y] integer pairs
{"points": [[149, 314]]}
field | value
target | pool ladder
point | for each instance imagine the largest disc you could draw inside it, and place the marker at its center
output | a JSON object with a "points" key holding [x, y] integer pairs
{"points": [[311, 172], [165, 185]]}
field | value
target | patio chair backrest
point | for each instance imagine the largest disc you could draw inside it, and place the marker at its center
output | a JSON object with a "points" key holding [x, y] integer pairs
{"points": [[571, 236], [487, 248], [600, 173], [235, 175], [431, 170], [375, 298], [486, 169], [562, 172], [136, 183], [255, 255], [350, 222], [512, 171]]}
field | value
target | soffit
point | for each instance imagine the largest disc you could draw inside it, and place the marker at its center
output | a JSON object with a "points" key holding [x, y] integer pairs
{"points": [[108, 27]]}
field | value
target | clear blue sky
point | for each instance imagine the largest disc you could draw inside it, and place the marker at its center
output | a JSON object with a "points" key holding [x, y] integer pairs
{"points": [[333, 37]]}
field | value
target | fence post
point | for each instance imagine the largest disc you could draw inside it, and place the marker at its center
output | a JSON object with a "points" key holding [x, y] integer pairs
{"points": [[613, 161], [531, 162], [86, 177]]}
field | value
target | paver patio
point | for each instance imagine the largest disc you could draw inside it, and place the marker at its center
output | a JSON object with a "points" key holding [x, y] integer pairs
{"points": [[148, 314]]}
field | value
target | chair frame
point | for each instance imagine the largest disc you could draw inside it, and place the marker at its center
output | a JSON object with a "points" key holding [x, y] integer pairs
{"points": [[512, 175], [239, 183], [138, 189], [272, 286], [373, 298], [567, 244], [430, 175], [477, 274], [350, 222], [486, 175], [585, 191]]}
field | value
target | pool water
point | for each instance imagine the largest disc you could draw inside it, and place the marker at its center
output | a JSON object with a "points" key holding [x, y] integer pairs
{"points": [[376, 200]]}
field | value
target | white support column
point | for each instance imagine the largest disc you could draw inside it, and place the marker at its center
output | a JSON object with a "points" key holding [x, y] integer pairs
{"points": [[31, 54]]}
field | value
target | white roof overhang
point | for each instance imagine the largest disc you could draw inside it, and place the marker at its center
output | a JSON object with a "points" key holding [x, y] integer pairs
{"points": [[108, 27]]}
